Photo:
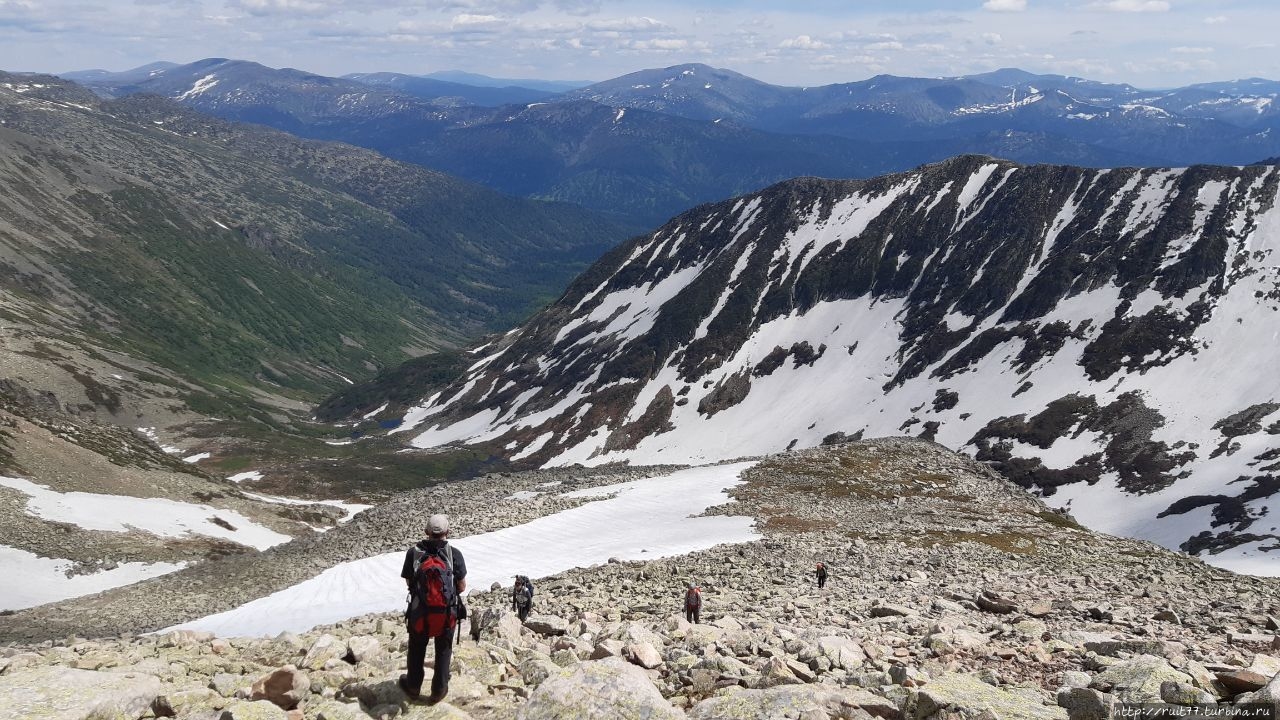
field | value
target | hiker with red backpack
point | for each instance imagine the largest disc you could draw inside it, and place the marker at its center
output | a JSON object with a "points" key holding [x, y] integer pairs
{"points": [[692, 603], [821, 573], [436, 575]]}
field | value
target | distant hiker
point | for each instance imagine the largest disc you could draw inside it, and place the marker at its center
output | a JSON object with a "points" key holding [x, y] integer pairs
{"points": [[821, 572], [437, 576], [692, 603], [522, 597]]}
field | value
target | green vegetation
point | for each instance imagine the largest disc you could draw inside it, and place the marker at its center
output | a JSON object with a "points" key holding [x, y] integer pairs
{"points": [[400, 386]]}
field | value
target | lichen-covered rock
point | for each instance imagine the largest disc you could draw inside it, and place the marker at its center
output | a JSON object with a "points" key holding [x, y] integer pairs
{"points": [[793, 701], [1138, 679], [609, 689], [968, 695], [325, 649], [253, 710], [1083, 703], [58, 693]]}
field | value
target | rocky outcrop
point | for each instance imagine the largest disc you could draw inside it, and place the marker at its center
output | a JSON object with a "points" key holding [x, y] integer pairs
{"points": [[898, 632]]}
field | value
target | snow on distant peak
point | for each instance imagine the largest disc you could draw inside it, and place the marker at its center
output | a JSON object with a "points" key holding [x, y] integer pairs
{"points": [[200, 87]]}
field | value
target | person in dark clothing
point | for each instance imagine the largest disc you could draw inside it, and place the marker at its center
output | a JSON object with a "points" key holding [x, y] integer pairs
{"points": [[522, 597], [822, 575], [692, 603], [436, 543]]}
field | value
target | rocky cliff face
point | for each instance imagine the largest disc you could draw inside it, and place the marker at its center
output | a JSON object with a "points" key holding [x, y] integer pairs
{"points": [[951, 593], [1100, 336]]}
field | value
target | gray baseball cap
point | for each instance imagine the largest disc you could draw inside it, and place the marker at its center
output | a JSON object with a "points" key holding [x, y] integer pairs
{"points": [[438, 524]]}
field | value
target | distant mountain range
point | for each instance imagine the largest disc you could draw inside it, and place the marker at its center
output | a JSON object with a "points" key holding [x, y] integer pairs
{"points": [[1099, 336], [653, 143]]}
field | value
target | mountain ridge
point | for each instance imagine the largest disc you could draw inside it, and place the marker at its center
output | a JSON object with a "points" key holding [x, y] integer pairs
{"points": [[1025, 313]]}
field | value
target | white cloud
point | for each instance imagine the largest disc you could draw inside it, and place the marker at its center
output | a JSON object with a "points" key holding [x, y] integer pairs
{"points": [[477, 23], [992, 38], [802, 42], [1215, 20], [1005, 5], [1133, 6], [627, 24], [1186, 50]]}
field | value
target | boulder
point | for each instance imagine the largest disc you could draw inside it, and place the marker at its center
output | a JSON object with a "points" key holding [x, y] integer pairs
{"points": [[1181, 693], [642, 654], [549, 625], [326, 648], [1138, 680], [286, 687], [54, 693], [891, 610], [362, 649], [609, 689], [1082, 703], [1132, 646], [793, 701], [994, 603], [842, 652], [968, 695]]}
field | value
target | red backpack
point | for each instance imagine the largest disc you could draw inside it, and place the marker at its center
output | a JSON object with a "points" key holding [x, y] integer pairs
{"points": [[433, 598], [693, 599]]}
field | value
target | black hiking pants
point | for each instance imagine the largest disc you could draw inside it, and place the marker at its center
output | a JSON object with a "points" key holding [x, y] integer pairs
{"points": [[822, 580], [418, 656], [691, 614]]}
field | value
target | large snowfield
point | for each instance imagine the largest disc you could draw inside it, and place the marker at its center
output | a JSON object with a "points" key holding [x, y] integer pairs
{"points": [[45, 580], [638, 520]]}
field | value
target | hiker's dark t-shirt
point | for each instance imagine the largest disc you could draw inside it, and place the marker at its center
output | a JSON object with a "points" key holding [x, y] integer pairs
{"points": [[433, 547]]}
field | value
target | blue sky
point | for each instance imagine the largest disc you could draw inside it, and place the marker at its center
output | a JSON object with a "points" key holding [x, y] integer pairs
{"points": [[1148, 43]]}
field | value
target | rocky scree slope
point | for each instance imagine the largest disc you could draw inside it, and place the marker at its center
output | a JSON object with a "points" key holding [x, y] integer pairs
{"points": [[952, 594], [1097, 335]]}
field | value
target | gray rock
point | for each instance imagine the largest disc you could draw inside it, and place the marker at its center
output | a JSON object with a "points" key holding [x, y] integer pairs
{"points": [[58, 693], [1132, 646], [1082, 703], [642, 654], [600, 689], [326, 648], [793, 701], [968, 695], [892, 610], [549, 625], [1181, 693], [362, 648], [253, 710], [1138, 680]]}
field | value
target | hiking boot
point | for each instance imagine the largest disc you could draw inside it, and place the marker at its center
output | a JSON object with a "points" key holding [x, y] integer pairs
{"points": [[434, 698], [403, 682]]}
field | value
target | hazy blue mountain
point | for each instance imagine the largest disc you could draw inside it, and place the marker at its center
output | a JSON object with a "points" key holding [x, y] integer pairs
{"points": [[446, 91]]}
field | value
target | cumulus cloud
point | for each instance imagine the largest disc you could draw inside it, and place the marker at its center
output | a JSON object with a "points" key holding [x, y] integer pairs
{"points": [[992, 38], [1215, 20], [1133, 6], [1005, 5]]}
